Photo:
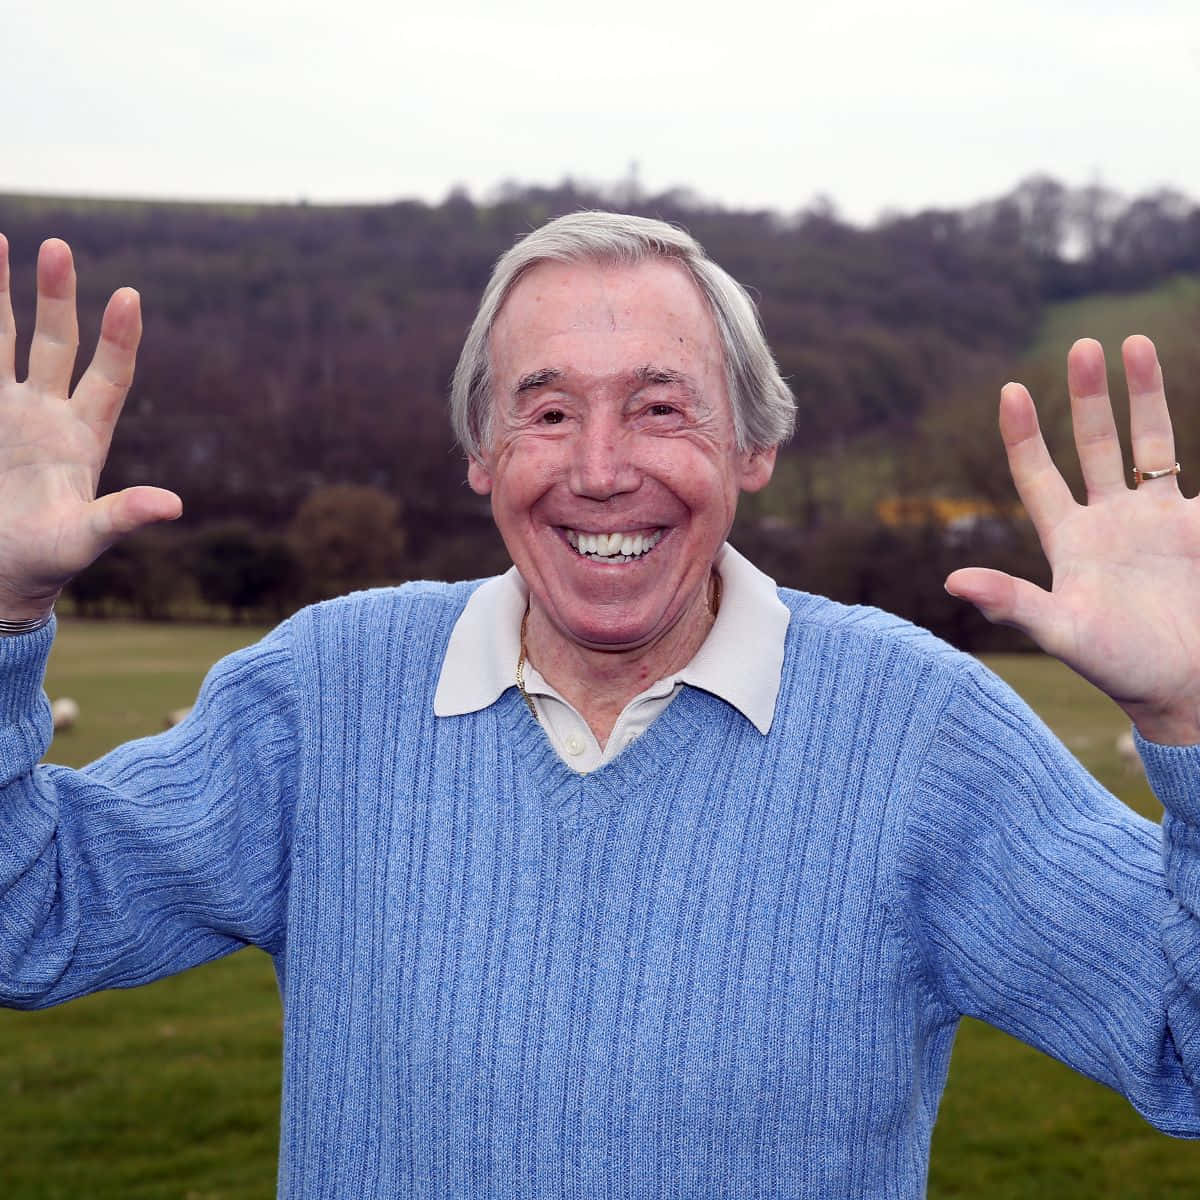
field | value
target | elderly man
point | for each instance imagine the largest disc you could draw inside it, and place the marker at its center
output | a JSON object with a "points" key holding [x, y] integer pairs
{"points": [[626, 873]]}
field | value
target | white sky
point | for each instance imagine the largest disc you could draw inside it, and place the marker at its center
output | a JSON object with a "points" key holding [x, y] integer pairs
{"points": [[876, 103]]}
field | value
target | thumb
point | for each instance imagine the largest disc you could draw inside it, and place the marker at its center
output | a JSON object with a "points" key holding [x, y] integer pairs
{"points": [[123, 512], [1005, 600]]}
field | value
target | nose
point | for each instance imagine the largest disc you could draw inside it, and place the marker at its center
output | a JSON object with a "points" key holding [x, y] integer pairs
{"points": [[603, 461]]}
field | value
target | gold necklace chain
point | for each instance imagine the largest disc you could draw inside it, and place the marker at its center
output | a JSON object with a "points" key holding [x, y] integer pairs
{"points": [[714, 605], [521, 667]]}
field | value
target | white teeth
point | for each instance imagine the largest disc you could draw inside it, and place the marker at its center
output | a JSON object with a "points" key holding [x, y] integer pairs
{"points": [[619, 547]]}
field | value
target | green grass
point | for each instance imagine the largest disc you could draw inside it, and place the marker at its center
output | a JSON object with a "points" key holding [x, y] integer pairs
{"points": [[172, 1091], [165, 1091], [1162, 313], [127, 676]]}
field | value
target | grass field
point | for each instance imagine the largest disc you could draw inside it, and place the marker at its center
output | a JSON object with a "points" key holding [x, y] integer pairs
{"points": [[1165, 313], [172, 1091]]}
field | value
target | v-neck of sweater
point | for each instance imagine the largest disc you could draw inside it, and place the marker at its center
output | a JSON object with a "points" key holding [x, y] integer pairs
{"points": [[577, 797]]}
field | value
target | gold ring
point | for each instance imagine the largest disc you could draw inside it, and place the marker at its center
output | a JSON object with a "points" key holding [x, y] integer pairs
{"points": [[1140, 476]]}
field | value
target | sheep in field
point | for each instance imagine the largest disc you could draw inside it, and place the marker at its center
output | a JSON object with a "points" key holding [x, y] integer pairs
{"points": [[175, 716], [64, 712]]}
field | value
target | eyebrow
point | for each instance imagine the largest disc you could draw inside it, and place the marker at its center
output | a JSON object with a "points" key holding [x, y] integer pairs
{"points": [[644, 376], [650, 374], [537, 379]]}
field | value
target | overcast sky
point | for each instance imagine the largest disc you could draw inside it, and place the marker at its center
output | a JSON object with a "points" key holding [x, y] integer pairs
{"points": [[876, 104]]}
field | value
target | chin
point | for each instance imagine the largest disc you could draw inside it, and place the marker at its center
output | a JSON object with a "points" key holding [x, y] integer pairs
{"points": [[608, 639]]}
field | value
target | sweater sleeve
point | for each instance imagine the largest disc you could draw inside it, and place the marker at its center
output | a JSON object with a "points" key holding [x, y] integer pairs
{"points": [[1044, 906], [168, 852]]}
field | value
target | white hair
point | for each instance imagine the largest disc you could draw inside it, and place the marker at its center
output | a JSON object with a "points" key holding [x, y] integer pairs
{"points": [[764, 410]]}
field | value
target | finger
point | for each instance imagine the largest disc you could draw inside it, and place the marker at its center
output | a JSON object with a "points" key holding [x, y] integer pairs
{"points": [[8, 327], [1042, 489], [115, 515], [56, 332], [101, 391], [1006, 600], [1149, 418], [1095, 429]]}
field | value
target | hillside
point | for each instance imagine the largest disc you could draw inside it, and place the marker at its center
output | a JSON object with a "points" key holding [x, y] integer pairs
{"points": [[294, 352]]}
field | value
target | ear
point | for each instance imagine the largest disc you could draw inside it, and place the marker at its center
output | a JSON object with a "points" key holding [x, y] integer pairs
{"points": [[757, 468], [479, 477]]}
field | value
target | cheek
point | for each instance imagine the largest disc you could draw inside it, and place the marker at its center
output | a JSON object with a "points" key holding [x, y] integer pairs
{"points": [[703, 478], [524, 473], [543, 457]]}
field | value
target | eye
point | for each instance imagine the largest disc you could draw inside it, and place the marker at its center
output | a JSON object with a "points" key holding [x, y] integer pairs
{"points": [[662, 410], [553, 416]]}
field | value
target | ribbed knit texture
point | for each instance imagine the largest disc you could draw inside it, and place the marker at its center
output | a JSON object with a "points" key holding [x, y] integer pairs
{"points": [[722, 965]]}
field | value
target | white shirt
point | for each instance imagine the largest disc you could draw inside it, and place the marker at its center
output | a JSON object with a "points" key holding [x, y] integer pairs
{"points": [[740, 661]]}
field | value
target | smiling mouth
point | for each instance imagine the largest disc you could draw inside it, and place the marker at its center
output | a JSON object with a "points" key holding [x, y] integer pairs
{"points": [[613, 547]]}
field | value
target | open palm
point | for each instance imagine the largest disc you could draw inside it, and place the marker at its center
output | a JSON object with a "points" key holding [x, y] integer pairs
{"points": [[53, 444], [1122, 608]]}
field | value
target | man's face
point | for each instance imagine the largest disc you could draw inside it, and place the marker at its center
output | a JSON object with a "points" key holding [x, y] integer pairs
{"points": [[612, 469]]}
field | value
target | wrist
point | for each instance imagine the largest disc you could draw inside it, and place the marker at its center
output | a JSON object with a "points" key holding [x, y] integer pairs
{"points": [[1166, 727], [15, 627], [19, 605], [23, 614]]}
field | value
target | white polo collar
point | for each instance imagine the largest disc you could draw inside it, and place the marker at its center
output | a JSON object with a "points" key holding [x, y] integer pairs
{"points": [[740, 661]]}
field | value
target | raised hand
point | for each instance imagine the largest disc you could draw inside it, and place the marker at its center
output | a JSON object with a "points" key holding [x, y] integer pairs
{"points": [[53, 445], [1124, 606]]}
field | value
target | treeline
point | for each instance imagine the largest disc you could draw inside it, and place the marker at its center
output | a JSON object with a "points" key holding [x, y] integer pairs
{"points": [[295, 365]]}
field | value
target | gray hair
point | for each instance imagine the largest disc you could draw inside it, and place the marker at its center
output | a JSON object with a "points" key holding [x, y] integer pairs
{"points": [[764, 410]]}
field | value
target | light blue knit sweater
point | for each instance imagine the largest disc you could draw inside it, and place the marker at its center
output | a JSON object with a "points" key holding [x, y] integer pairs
{"points": [[723, 965]]}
